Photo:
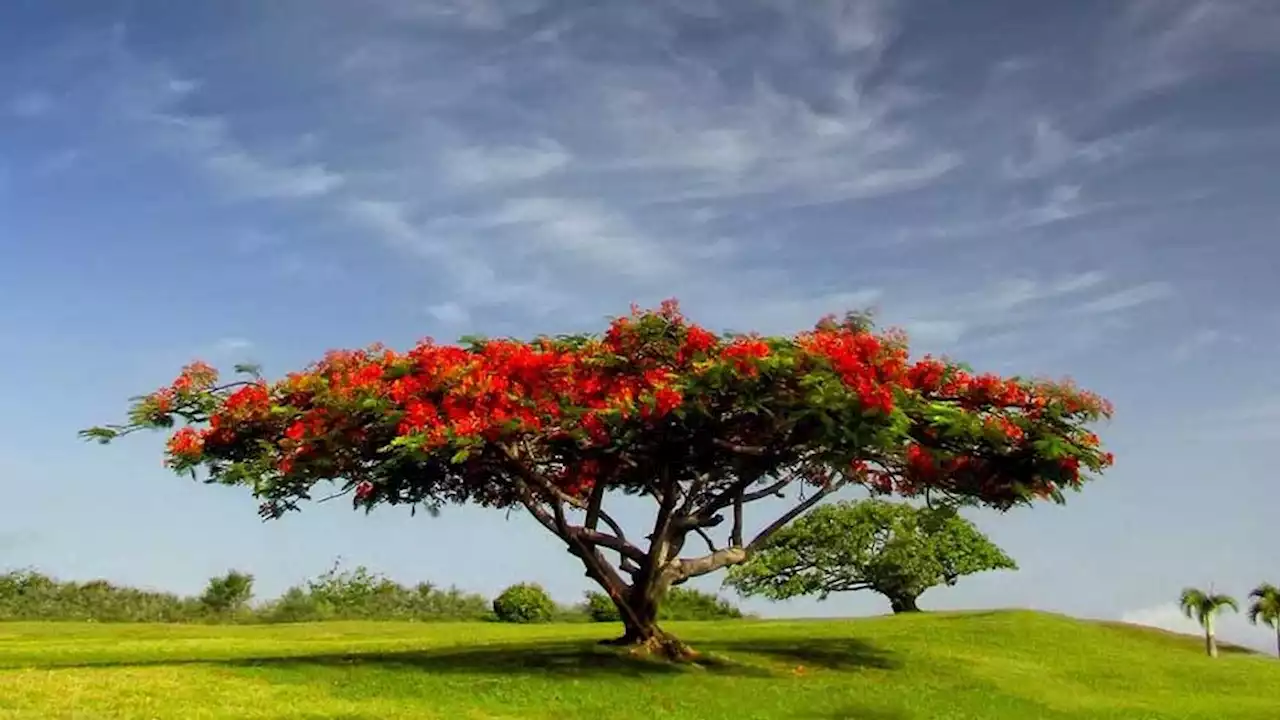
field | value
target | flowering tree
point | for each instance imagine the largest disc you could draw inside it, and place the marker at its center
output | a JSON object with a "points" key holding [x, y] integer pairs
{"points": [[703, 424]]}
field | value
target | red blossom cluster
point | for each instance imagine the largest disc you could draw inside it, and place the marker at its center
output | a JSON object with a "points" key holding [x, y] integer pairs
{"points": [[457, 402]]}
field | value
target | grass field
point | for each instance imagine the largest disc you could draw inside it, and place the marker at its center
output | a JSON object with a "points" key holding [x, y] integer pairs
{"points": [[938, 666]]}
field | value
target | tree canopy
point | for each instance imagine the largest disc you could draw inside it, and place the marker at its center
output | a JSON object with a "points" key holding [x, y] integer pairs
{"points": [[702, 423], [890, 548], [1264, 608]]}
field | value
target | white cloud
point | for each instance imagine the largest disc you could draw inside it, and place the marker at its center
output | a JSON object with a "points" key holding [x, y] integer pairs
{"points": [[1195, 342], [581, 231], [30, 105], [1050, 150], [1162, 43], [209, 143], [1231, 627], [449, 313], [505, 164], [1126, 299]]}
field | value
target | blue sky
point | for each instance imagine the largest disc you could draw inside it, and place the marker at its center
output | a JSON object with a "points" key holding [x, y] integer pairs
{"points": [[1084, 189]]}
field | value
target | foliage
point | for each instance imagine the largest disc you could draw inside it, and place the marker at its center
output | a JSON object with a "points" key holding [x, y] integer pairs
{"points": [[360, 594], [335, 595], [705, 424], [1264, 608], [893, 549], [1203, 607], [29, 595], [524, 603], [680, 604], [228, 594], [960, 666]]}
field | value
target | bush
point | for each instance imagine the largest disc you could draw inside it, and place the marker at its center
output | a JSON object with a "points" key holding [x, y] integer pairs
{"points": [[524, 603], [228, 595], [690, 604], [679, 604], [29, 595], [600, 608]]}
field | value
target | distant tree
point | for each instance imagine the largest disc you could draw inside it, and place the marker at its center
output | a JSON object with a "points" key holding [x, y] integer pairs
{"points": [[228, 593], [893, 549], [701, 424], [1265, 609], [1203, 607]]}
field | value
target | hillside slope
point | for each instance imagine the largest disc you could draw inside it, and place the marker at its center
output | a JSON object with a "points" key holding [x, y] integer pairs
{"points": [[937, 666]]}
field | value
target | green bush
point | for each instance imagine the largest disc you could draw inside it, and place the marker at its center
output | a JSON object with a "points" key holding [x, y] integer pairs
{"points": [[690, 604], [600, 608], [524, 603], [29, 595], [679, 604]]}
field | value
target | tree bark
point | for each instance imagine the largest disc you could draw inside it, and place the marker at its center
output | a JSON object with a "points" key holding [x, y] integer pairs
{"points": [[1210, 642], [639, 613], [903, 604]]}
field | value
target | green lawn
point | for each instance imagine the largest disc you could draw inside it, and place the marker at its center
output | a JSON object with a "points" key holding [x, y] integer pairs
{"points": [[938, 666]]}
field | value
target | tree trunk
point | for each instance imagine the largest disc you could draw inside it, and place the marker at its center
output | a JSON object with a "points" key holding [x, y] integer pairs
{"points": [[639, 613], [1210, 642], [903, 604]]}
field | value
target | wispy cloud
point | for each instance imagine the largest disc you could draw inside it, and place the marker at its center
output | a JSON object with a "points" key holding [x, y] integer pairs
{"points": [[243, 174], [30, 105], [480, 165], [1163, 43], [1126, 299], [1048, 150]]}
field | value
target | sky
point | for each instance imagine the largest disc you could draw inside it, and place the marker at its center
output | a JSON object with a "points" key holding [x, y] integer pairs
{"points": [[1083, 189]]}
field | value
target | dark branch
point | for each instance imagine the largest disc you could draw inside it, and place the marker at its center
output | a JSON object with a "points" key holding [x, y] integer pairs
{"points": [[711, 545], [796, 512]]}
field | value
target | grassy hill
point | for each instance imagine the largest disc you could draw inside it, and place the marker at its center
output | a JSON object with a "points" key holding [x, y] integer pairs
{"points": [[938, 666]]}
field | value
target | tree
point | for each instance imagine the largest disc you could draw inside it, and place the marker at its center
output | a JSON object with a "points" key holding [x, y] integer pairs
{"points": [[1265, 609], [228, 593], [1203, 608], [702, 424], [890, 548]]}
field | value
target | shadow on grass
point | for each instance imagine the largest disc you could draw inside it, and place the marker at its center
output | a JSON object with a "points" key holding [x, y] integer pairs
{"points": [[569, 659], [829, 654]]}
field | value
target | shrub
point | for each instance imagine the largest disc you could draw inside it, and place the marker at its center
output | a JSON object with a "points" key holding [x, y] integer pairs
{"points": [[524, 603], [690, 604], [229, 594], [600, 608], [680, 604]]}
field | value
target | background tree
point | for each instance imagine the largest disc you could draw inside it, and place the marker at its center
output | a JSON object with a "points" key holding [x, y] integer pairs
{"points": [[893, 549], [703, 425], [1265, 609], [228, 594], [1203, 607]]}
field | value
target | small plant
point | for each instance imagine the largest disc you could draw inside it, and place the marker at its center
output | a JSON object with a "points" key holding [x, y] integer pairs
{"points": [[524, 603]]}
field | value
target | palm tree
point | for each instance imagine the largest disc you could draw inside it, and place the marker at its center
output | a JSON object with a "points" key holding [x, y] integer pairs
{"points": [[1266, 608], [1203, 607]]}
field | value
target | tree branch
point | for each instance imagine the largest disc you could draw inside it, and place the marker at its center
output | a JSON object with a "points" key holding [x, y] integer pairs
{"points": [[796, 512], [711, 545], [752, 450], [773, 489]]}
